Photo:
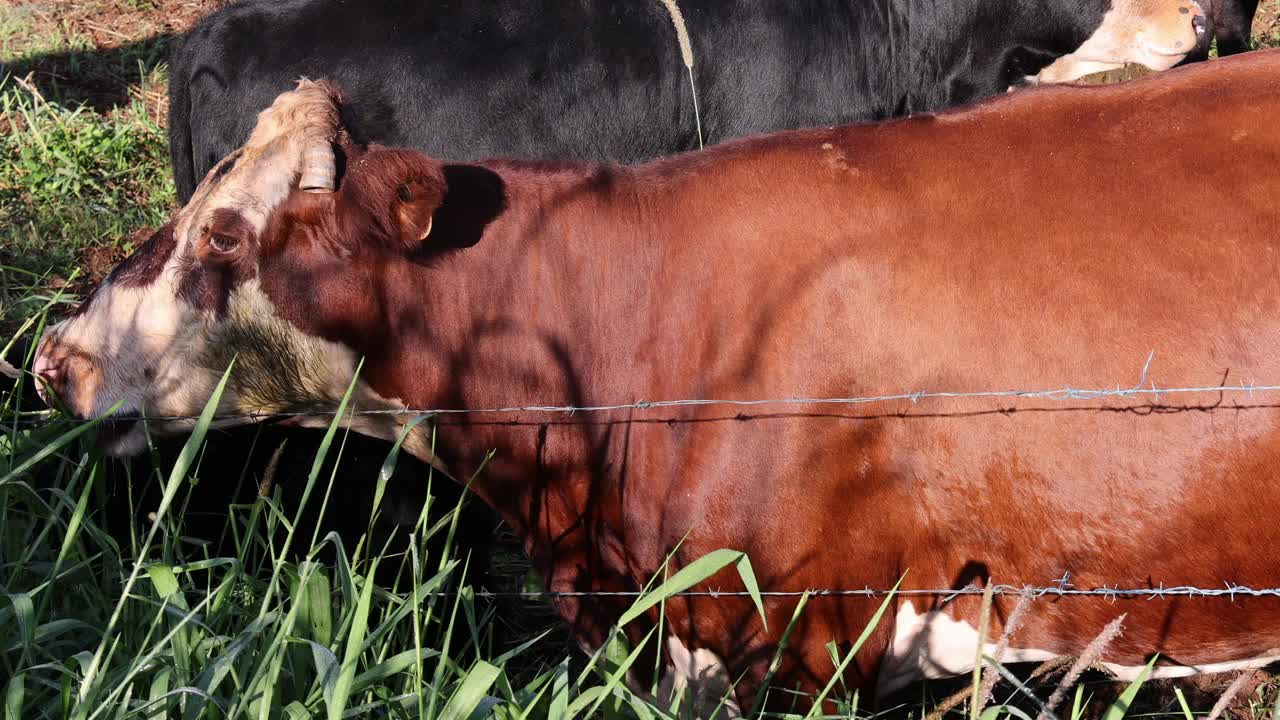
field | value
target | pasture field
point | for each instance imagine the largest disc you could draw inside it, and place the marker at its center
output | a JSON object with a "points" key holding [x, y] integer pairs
{"points": [[116, 603]]}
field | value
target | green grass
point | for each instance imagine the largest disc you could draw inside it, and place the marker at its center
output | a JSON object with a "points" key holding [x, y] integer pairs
{"points": [[74, 176], [20, 39], [70, 179]]}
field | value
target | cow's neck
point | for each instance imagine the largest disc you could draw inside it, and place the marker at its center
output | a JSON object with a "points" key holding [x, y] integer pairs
{"points": [[544, 310]]}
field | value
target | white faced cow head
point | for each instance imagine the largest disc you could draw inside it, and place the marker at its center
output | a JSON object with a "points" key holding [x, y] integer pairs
{"points": [[1155, 33], [265, 229]]}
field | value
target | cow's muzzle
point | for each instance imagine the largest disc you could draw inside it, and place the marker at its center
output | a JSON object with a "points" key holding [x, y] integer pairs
{"points": [[66, 377], [1198, 23]]}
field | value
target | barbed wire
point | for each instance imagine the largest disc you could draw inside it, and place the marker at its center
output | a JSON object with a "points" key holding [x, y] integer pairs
{"points": [[1143, 389], [1061, 588], [1159, 592]]}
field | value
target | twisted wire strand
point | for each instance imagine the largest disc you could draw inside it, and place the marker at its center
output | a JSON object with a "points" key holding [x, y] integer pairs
{"points": [[1143, 389], [1159, 592]]}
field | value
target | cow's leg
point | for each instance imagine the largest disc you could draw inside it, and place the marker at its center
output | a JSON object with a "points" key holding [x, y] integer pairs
{"points": [[1234, 25]]}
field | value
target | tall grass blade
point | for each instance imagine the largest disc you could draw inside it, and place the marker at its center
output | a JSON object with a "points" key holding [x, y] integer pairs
{"points": [[1044, 711], [1186, 710], [816, 709], [1077, 705], [560, 690], [176, 475], [326, 670], [615, 678], [694, 573], [389, 464], [757, 704], [13, 694], [57, 445], [1120, 707], [984, 622], [471, 693], [213, 675], [24, 612], [158, 695], [316, 465], [342, 689], [390, 667]]}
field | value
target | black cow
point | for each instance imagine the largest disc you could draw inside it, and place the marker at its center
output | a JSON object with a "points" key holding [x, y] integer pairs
{"points": [[1230, 24], [608, 79]]}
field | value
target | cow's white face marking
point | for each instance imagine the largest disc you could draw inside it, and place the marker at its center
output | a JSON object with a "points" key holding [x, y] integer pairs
{"points": [[158, 347], [278, 367], [161, 356], [1157, 34], [137, 352]]}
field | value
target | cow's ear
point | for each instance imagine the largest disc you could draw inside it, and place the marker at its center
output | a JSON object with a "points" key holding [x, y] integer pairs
{"points": [[414, 206]]}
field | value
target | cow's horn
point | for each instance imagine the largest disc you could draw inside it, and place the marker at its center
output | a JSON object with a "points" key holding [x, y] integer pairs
{"points": [[318, 172]]}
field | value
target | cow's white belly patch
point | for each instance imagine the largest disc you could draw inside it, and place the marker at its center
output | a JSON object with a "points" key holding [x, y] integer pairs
{"points": [[702, 680], [935, 645], [698, 678], [1130, 672]]}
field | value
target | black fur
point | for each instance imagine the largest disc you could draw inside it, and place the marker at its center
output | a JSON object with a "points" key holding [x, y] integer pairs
{"points": [[1229, 23], [600, 78]]}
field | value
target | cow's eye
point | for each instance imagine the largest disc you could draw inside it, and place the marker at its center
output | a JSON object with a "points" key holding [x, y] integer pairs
{"points": [[223, 243]]}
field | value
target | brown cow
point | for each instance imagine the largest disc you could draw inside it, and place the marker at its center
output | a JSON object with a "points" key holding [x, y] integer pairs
{"points": [[1048, 238]]}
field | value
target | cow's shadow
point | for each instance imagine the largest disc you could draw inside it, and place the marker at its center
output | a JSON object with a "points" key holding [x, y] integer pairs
{"points": [[100, 78]]}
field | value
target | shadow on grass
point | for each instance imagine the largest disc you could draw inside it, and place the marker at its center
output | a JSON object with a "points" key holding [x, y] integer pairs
{"points": [[101, 78]]}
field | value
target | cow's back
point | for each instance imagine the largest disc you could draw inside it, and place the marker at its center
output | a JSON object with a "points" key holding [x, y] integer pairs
{"points": [[458, 80], [546, 79]]}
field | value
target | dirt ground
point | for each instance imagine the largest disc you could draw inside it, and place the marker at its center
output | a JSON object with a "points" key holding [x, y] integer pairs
{"points": [[93, 51], [113, 23], [1266, 24]]}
